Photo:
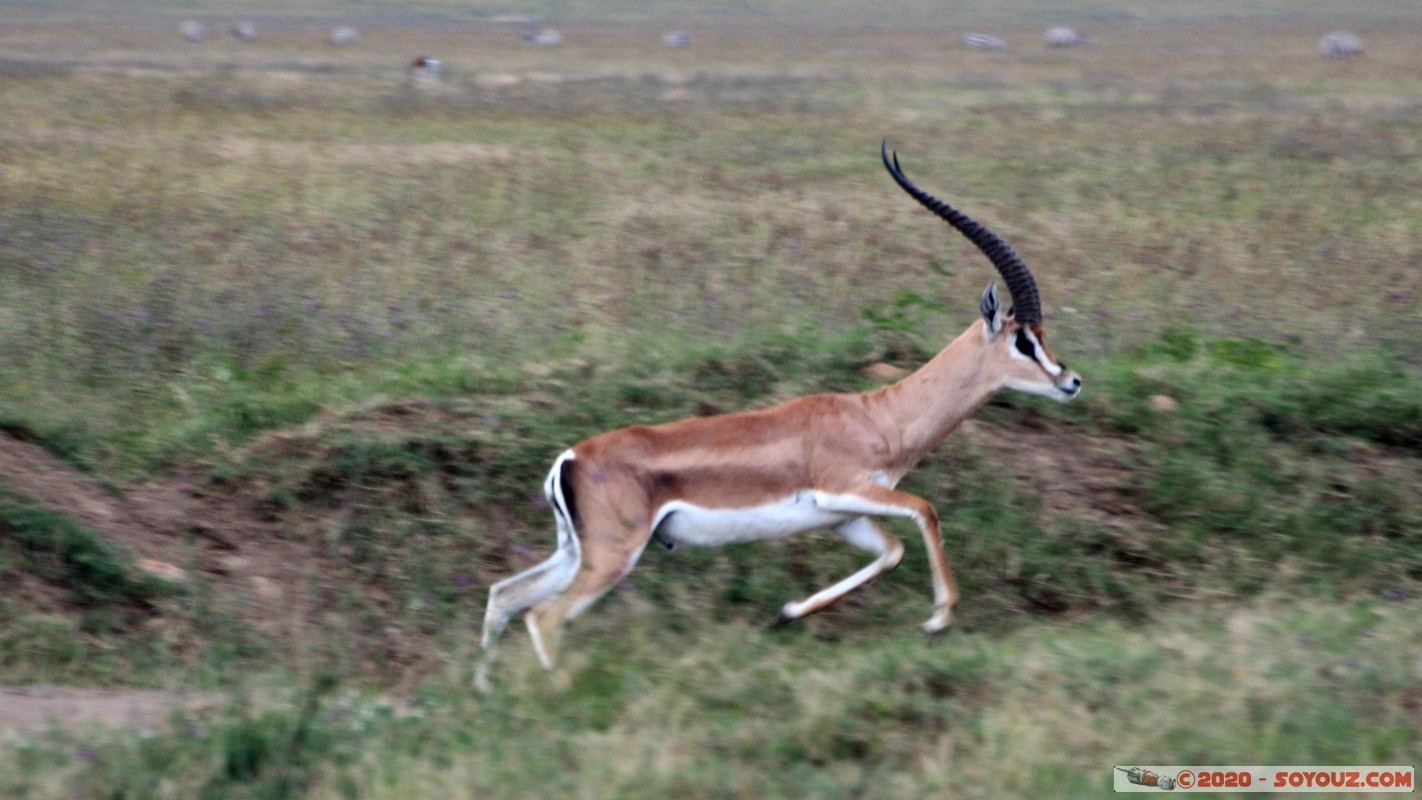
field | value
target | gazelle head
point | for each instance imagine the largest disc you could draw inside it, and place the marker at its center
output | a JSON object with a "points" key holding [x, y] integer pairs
{"points": [[1020, 355], [1016, 343]]}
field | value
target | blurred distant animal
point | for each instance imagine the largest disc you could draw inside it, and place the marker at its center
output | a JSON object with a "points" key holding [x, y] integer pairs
{"points": [[541, 37], [193, 31], [677, 39], [244, 31], [1064, 37], [423, 72], [343, 36], [983, 41], [1340, 44]]}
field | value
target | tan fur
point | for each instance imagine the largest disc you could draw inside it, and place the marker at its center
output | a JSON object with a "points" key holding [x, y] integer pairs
{"points": [[848, 449]]}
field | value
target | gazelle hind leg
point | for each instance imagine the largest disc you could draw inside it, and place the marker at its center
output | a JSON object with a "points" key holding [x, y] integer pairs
{"points": [[599, 574], [864, 534], [522, 591], [532, 586]]}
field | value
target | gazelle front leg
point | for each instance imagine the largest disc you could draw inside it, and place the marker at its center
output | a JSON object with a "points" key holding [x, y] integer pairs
{"points": [[879, 501], [864, 534]]}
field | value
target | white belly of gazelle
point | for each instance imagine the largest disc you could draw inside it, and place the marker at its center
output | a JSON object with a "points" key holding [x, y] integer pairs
{"points": [[680, 522]]}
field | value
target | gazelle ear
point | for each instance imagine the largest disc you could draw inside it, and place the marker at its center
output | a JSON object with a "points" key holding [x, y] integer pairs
{"points": [[991, 310]]}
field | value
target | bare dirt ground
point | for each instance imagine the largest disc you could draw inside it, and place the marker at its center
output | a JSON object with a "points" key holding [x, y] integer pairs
{"points": [[170, 524], [30, 709], [169, 521]]}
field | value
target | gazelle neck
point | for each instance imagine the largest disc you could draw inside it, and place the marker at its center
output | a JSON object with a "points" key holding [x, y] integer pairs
{"points": [[923, 408]]}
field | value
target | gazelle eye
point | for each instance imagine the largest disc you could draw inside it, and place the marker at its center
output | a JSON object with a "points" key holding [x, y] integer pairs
{"points": [[1024, 345]]}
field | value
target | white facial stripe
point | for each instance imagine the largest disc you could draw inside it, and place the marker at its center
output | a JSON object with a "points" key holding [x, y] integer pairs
{"points": [[1039, 354]]}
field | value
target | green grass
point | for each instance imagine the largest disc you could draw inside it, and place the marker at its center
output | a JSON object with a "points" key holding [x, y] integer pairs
{"points": [[1273, 451], [731, 711], [421, 503], [382, 312], [247, 249]]}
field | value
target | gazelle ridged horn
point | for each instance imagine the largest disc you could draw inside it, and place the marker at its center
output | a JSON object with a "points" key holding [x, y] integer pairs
{"points": [[1020, 285]]}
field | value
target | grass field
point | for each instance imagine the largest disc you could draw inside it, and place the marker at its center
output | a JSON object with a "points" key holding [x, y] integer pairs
{"points": [[329, 330]]}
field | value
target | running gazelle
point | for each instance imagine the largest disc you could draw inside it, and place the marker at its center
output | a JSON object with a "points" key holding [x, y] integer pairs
{"points": [[821, 461]]}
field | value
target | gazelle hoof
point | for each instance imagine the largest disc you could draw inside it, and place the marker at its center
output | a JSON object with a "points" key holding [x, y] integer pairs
{"points": [[937, 627], [783, 620]]}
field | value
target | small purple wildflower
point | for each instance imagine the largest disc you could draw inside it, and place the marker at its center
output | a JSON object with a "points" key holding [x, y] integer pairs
{"points": [[508, 295], [1394, 595], [522, 552], [1304, 639], [462, 580], [86, 754], [538, 501]]}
